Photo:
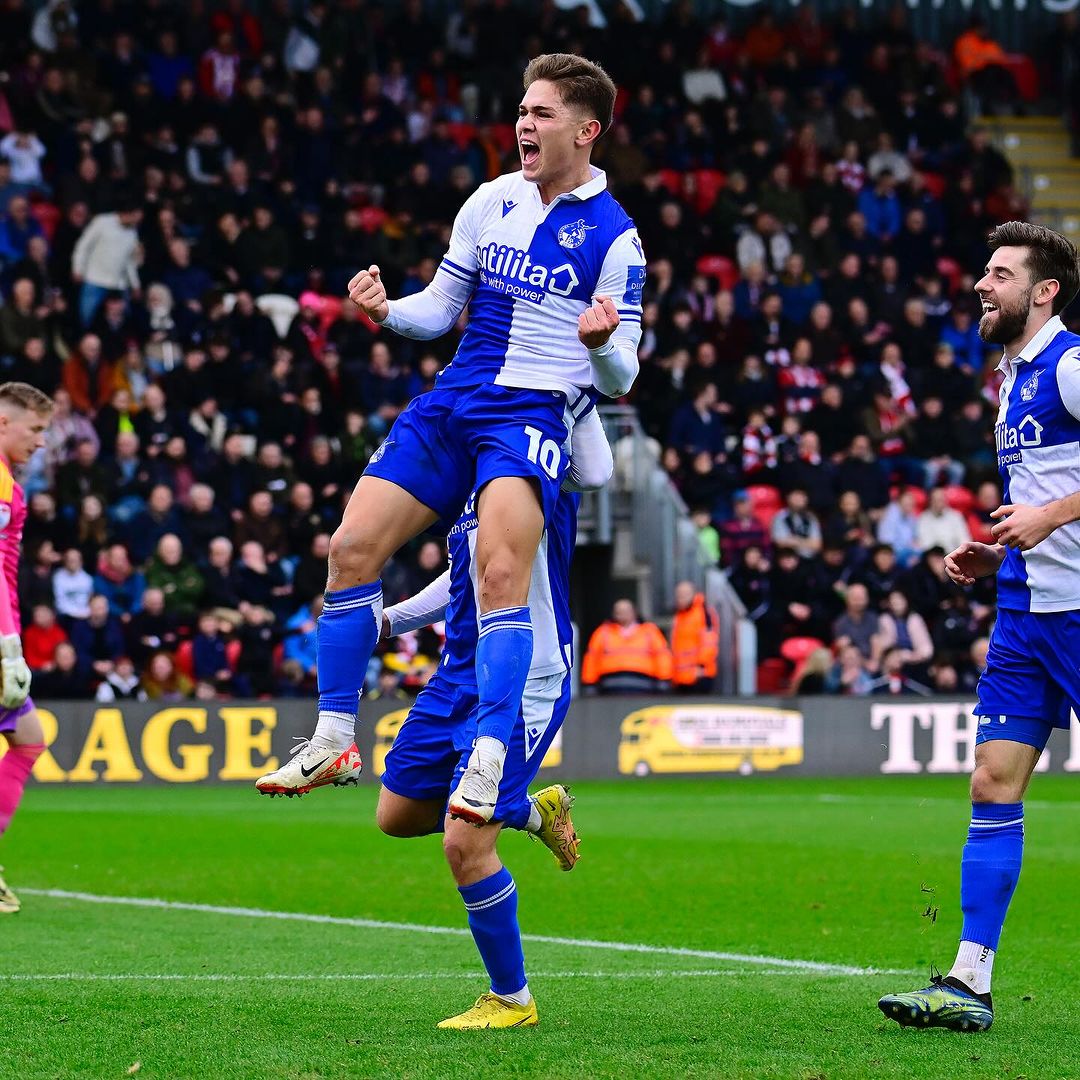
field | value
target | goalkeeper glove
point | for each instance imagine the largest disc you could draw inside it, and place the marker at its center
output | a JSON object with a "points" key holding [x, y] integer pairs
{"points": [[15, 683]]}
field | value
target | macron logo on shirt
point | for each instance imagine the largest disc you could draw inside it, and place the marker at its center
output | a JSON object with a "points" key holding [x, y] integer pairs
{"points": [[507, 206]]}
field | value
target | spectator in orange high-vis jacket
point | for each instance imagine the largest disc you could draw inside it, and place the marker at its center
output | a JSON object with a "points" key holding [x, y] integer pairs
{"points": [[695, 641], [626, 656]]}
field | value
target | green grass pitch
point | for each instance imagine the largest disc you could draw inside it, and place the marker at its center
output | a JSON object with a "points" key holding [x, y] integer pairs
{"points": [[836, 873]]}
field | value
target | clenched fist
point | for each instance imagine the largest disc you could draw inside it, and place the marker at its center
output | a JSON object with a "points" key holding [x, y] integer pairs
{"points": [[368, 293], [597, 323]]}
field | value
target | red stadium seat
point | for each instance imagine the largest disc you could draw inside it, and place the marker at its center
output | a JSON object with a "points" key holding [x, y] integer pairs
{"points": [[462, 134], [959, 497], [232, 653], [47, 216], [504, 137], [765, 503], [672, 180], [1026, 75], [935, 184], [720, 267], [372, 218], [772, 676], [184, 659], [797, 649], [708, 183], [979, 529], [951, 271]]}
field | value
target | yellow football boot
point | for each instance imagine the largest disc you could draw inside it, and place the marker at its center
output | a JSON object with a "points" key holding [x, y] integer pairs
{"points": [[492, 1012], [557, 832]]}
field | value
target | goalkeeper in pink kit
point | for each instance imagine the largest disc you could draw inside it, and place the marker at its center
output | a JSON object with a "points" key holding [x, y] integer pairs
{"points": [[24, 414]]}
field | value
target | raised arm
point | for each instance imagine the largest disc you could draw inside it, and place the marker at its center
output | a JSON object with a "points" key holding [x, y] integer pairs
{"points": [[611, 328], [431, 312]]}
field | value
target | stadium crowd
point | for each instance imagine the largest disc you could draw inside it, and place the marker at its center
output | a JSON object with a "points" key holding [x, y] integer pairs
{"points": [[186, 189]]}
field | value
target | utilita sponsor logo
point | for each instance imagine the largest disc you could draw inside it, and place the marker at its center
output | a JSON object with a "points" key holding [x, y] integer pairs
{"points": [[1027, 433], [952, 726], [510, 270]]}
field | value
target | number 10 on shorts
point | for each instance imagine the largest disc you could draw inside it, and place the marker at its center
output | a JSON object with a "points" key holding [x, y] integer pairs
{"points": [[543, 451]]}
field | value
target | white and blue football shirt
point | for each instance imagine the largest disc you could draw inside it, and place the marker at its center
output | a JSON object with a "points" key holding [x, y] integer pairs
{"points": [[1038, 447], [527, 272]]}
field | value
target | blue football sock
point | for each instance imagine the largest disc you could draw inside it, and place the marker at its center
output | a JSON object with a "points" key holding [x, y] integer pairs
{"points": [[990, 869], [492, 907], [348, 631], [503, 657]]}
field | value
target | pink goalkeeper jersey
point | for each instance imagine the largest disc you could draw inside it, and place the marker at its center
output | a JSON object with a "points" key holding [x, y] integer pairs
{"points": [[12, 520]]}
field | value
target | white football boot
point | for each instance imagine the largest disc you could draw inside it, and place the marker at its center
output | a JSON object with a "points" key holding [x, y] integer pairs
{"points": [[312, 765]]}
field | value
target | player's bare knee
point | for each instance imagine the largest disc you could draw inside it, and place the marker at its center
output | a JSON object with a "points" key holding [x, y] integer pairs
{"points": [[354, 559], [993, 786], [465, 854], [500, 584]]}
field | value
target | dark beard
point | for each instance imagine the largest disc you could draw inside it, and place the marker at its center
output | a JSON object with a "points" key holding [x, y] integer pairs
{"points": [[1010, 324]]}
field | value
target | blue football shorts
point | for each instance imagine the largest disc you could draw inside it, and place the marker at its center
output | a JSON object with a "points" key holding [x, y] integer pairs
{"points": [[432, 746], [449, 443], [1032, 676]]}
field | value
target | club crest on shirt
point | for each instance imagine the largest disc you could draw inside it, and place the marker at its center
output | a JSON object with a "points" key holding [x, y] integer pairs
{"points": [[5, 515], [1031, 387], [573, 235]]}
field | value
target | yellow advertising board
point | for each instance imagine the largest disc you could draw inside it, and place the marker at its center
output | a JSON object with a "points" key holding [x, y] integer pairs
{"points": [[709, 738]]}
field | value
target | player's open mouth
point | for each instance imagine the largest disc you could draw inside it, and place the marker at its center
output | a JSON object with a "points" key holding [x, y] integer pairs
{"points": [[529, 152], [988, 305]]}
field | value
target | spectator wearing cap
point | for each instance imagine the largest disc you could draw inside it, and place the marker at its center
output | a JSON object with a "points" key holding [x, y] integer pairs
{"points": [[105, 257], [742, 531]]}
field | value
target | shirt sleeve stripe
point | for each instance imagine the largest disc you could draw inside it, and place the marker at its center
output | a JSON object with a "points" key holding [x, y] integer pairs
{"points": [[461, 269], [458, 276]]}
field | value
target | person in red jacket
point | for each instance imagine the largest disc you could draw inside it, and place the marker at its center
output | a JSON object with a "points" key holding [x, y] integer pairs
{"points": [[41, 637], [626, 656]]}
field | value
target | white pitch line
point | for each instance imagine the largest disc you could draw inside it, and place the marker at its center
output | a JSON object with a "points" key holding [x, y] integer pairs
{"points": [[805, 966], [702, 973]]}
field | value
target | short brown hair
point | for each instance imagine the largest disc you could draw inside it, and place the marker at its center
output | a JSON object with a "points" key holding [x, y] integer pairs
{"points": [[583, 84], [1050, 256], [26, 396]]}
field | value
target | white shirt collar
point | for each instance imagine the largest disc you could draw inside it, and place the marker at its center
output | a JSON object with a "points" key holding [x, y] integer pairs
{"points": [[1035, 346], [592, 187]]}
